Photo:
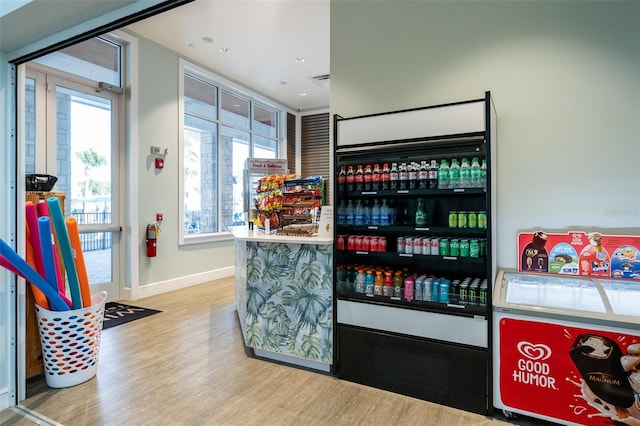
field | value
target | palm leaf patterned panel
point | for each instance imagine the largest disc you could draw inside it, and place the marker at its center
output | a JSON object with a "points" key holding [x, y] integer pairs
{"points": [[289, 299]]}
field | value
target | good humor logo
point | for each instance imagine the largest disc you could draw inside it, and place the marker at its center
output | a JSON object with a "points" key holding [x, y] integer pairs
{"points": [[531, 368]]}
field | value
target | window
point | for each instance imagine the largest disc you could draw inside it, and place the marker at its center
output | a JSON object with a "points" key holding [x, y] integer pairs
{"points": [[221, 126]]}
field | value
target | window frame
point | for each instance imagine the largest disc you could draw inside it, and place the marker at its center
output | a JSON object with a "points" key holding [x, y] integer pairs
{"points": [[222, 84]]}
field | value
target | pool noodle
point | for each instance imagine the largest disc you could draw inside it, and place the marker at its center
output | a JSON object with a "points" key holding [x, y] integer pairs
{"points": [[83, 278], [38, 296], [34, 235], [55, 212], [55, 301], [46, 245], [43, 211]]}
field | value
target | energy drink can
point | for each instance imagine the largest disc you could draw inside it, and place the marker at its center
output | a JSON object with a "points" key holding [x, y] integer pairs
{"points": [[472, 219], [462, 220], [453, 219], [482, 219]]}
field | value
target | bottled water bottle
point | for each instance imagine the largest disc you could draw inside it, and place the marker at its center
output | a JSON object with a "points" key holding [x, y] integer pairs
{"points": [[454, 174], [350, 214], [366, 213], [375, 213], [385, 214], [358, 213], [465, 174], [476, 182], [342, 213], [443, 175]]}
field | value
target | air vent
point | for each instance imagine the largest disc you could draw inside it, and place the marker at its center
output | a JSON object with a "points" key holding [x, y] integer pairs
{"points": [[321, 77]]}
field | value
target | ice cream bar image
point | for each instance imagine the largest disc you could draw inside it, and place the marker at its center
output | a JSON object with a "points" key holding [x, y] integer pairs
{"points": [[598, 360]]}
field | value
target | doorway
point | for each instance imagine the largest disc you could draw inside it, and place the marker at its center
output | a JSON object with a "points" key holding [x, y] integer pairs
{"points": [[73, 133]]}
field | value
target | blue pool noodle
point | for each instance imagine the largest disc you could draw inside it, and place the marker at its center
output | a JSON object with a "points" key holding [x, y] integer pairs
{"points": [[47, 252], [55, 212]]}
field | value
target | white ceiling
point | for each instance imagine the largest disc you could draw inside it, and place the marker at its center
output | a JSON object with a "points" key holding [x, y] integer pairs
{"points": [[264, 38]]}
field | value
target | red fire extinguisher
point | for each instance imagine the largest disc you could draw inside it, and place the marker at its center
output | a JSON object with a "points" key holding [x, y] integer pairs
{"points": [[152, 238]]}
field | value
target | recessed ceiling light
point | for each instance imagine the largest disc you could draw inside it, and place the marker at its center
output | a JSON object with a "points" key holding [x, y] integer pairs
{"points": [[302, 94], [283, 82], [207, 39], [191, 45], [299, 59], [225, 50]]}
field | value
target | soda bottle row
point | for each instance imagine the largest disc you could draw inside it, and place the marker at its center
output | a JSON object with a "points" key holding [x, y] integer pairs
{"points": [[414, 175], [378, 213], [367, 243], [411, 287], [441, 246]]}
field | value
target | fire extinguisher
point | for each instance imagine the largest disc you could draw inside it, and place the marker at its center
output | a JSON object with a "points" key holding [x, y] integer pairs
{"points": [[152, 238]]}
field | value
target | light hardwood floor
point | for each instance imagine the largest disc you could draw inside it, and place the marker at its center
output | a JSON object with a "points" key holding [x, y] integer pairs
{"points": [[187, 366]]}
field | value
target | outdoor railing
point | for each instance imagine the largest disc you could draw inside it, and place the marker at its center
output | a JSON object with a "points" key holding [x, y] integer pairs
{"points": [[94, 240]]}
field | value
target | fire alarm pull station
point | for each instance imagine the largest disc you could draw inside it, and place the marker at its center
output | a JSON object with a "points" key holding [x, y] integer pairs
{"points": [[159, 163]]}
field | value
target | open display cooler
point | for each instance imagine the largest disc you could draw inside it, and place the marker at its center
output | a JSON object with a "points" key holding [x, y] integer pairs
{"points": [[566, 348], [429, 336]]}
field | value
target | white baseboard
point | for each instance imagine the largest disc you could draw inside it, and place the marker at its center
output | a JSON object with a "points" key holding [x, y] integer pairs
{"points": [[160, 287]]}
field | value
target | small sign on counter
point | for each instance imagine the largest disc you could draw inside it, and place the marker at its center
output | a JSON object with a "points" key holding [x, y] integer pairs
{"points": [[325, 226]]}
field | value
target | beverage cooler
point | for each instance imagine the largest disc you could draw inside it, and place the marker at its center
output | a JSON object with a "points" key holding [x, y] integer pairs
{"points": [[567, 348], [413, 251]]}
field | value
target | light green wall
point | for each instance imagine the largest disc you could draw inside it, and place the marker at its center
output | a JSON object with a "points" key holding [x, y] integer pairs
{"points": [[158, 191], [565, 78]]}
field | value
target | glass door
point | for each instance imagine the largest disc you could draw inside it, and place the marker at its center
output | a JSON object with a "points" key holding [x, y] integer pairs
{"points": [[77, 141]]}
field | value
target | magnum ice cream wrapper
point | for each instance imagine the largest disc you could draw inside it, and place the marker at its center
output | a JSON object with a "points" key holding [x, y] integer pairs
{"points": [[598, 360]]}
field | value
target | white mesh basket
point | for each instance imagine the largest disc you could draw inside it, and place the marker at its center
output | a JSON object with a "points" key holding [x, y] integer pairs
{"points": [[70, 342]]}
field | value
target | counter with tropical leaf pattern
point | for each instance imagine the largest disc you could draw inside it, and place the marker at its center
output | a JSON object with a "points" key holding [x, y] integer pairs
{"points": [[284, 297]]}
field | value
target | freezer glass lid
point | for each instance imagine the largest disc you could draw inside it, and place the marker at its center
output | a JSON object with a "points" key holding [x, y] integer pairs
{"points": [[549, 291], [624, 296]]}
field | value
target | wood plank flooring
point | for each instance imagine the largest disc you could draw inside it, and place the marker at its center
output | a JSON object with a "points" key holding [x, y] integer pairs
{"points": [[187, 366]]}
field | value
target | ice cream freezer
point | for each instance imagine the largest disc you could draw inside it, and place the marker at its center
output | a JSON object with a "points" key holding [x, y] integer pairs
{"points": [[566, 348]]}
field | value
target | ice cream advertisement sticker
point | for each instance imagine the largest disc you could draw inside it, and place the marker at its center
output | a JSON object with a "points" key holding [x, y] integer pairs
{"points": [[580, 253], [576, 375]]}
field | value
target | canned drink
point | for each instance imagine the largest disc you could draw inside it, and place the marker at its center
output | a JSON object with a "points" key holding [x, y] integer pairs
{"points": [[443, 295], [366, 243], [482, 295], [408, 245], [382, 244], [473, 294], [463, 293], [373, 244], [351, 242], [482, 219], [426, 246], [400, 245], [472, 219], [419, 288], [426, 290], [358, 243], [454, 247], [462, 219], [435, 290], [444, 247], [435, 246], [417, 245], [453, 219], [340, 243], [453, 291], [464, 248], [474, 248], [483, 247]]}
